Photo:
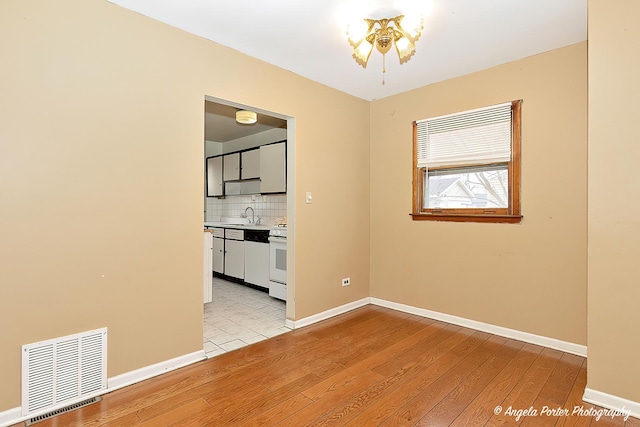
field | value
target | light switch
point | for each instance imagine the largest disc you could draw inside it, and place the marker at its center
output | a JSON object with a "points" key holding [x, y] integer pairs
{"points": [[308, 197]]}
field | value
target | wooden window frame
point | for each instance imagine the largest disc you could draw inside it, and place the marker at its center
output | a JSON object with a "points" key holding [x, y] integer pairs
{"points": [[511, 214]]}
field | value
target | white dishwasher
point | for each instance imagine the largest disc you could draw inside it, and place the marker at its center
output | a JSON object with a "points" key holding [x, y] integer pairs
{"points": [[256, 258]]}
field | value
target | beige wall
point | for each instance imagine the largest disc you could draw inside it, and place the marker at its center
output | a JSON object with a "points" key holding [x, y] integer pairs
{"points": [[101, 146], [614, 207], [101, 167], [529, 277]]}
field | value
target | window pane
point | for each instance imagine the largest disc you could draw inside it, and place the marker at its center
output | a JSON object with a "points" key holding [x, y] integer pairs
{"points": [[480, 187]]}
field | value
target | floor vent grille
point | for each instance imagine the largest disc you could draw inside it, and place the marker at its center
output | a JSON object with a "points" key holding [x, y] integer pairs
{"points": [[62, 410], [63, 371]]}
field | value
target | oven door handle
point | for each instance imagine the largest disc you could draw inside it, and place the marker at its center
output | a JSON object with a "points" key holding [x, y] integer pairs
{"points": [[275, 239]]}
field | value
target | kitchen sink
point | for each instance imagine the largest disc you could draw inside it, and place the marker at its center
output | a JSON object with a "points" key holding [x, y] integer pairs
{"points": [[234, 221]]}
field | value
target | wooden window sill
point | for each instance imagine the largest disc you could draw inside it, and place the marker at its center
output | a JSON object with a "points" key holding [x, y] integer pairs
{"points": [[510, 219]]}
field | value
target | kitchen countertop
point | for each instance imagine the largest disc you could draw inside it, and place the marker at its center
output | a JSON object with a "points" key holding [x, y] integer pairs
{"points": [[236, 226]]}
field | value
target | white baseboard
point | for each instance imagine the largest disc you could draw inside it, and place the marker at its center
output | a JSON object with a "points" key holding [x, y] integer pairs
{"points": [[565, 346], [611, 402], [289, 323], [11, 416], [14, 415], [151, 371], [327, 314]]}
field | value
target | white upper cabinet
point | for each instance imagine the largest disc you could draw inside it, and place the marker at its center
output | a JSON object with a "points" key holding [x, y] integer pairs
{"points": [[250, 164], [231, 166], [214, 177], [273, 168], [260, 170]]}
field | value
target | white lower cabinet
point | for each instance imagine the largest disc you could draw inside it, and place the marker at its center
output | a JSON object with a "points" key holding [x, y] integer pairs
{"points": [[234, 253], [218, 255], [218, 250], [208, 276]]}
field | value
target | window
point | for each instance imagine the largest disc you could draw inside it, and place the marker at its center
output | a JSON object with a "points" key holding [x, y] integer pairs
{"points": [[466, 166]]}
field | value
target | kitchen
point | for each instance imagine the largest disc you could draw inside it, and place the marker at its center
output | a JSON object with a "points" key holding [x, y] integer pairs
{"points": [[245, 227]]}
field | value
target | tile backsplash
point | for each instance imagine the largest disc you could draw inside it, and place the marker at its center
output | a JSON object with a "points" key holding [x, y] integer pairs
{"points": [[267, 207]]}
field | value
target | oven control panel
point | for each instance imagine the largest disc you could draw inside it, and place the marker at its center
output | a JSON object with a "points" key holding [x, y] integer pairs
{"points": [[278, 232]]}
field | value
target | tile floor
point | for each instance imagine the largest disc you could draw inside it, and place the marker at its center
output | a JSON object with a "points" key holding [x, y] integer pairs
{"points": [[239, 316]]}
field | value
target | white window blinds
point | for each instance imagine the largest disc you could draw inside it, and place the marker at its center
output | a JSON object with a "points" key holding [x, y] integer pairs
{"points": [[468, 138]]}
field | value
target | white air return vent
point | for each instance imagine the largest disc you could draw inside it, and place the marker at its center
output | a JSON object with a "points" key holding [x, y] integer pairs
{"points": [[64, 370]]}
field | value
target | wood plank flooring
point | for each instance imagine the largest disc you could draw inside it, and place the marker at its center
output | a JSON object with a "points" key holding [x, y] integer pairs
{"points": [[370, 367]]}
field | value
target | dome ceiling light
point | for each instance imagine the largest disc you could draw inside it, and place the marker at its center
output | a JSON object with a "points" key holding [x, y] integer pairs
{"points": [[246, 117]]}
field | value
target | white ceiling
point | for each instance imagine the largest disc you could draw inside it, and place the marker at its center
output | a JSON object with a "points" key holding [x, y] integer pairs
{"points": [[308, 37]]}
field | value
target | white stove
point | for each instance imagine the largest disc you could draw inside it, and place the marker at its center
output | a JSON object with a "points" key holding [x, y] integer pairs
{"points": [[278, 263]]}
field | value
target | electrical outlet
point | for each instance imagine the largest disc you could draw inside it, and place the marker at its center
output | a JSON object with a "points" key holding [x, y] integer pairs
{"points": [[346, 281]]}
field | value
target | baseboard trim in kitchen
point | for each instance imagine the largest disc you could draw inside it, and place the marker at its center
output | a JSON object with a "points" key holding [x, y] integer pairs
{"points": [[568, 347], [14, 415], [306, 321], [151, 371], [610, 401]]}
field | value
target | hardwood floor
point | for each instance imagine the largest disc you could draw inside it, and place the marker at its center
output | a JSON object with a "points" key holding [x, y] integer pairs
{"points": [[370, 367]]}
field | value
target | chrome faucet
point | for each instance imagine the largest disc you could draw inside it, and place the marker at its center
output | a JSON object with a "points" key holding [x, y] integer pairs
{"points": [[253, 214]]}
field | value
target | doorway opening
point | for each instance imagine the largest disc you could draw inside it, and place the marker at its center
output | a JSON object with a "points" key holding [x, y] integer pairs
{"points": [[248, 193]]}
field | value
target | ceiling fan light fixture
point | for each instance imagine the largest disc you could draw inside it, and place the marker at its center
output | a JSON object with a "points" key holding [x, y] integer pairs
{"points": [[362, 52], [405, 49], [246, 117], [412, 24], [356, 32], [383, 34]]}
